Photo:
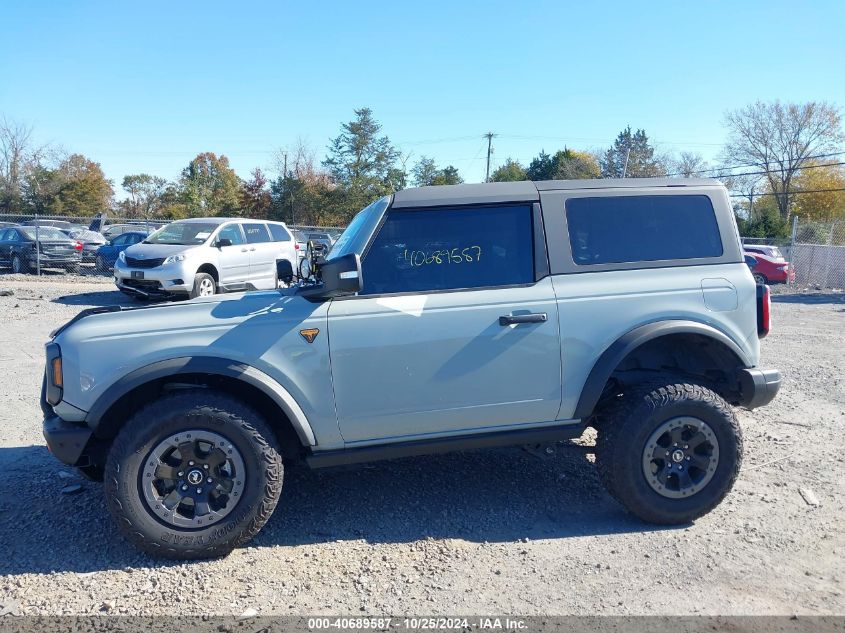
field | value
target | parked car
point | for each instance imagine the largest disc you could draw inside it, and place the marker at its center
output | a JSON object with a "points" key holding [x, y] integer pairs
{"points": [[447, 318], [771, 271], [113, 230], [23, 247], [57, 224], [772, 252], [91, 241], [108, 253], [203, 256], [320, 238]]}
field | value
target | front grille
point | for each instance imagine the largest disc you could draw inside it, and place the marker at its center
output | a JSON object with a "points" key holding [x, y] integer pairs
{"points": [[134, 262]]}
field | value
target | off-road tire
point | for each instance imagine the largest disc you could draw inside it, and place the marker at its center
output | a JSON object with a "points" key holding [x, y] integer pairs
{"points": [[201, 279], [198, 409], [627, 424]]}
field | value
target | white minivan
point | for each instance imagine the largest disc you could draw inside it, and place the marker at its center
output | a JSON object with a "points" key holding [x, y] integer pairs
{"points": [[203, 256]]}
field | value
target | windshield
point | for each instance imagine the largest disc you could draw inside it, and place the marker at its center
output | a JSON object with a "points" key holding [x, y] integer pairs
{"points": [[182, 233], [354, 238], [44, 233]]}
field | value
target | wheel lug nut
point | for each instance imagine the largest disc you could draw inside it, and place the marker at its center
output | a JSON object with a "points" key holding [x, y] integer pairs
{"points": [[205, 466], [199, 490], [181, 473], [192, 463], [184, 487], [210, 480], [686, 446], [687, 458]]}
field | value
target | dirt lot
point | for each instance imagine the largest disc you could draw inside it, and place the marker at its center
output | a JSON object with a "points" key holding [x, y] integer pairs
{"points": [[503, 531]]}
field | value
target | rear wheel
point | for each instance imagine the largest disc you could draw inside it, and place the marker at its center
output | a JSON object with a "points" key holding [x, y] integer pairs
{"points": [[100, 265], [193, 475], [760, 279], [669, 453], [204, 286]]}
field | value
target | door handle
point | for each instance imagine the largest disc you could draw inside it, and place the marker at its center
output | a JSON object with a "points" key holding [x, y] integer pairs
{"points": [[515, 319], [244, 250], [252, 249]]}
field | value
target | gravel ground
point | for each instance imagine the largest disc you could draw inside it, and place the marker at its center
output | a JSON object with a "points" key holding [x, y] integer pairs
{"points": [[503, 531]]}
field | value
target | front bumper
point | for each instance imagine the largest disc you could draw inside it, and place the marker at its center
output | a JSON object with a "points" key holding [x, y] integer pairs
{"points": [[66, 440], [758, 387], [168, 279]]}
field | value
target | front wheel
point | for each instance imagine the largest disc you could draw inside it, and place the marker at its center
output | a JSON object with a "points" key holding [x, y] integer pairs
{"points": [[193, 475], [669, 453], [19, 265], [204, 286]]}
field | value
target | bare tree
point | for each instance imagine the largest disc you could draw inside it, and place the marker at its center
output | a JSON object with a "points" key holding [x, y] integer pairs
{"points": [[15, 141], [778, 138], [688, 165]]}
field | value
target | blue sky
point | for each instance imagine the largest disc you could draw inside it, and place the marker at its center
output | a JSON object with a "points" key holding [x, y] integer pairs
{"points": [[143, 87]]}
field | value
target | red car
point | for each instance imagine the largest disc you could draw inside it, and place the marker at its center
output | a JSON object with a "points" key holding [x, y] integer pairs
{"points": [[767, 270]]}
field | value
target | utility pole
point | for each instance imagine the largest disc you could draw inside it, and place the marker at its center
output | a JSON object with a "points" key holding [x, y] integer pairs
{"points": [[489, 136], [625, 168]]}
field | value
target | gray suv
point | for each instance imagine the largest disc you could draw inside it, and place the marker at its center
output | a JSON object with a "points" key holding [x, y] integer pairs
{"points": [[443, 318]]}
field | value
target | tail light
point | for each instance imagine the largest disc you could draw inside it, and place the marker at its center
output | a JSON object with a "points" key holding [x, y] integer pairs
{"points": [[77, 245], [296, 246], [764, 310]]}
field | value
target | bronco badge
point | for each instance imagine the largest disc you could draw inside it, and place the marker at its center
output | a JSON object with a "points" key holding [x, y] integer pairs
{"points": [[309, 334]]}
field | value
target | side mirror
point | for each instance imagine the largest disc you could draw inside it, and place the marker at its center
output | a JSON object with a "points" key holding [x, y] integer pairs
{"points": [[284, 270], [337, 277], [224, 241]]}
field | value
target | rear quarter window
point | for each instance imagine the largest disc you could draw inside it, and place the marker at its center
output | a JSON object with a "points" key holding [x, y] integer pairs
{"points": [[626, 229], [279, 233]]}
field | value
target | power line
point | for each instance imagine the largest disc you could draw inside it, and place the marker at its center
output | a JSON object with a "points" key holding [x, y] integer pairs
{"points": [[788, 193], [775, 171], [709, 169]]}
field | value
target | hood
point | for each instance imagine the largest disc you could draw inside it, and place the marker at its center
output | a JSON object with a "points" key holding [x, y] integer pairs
{"points": [[152, 251]]}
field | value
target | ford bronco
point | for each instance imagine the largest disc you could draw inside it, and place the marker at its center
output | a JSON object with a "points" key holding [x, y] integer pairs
{"points": [[443, 318]]}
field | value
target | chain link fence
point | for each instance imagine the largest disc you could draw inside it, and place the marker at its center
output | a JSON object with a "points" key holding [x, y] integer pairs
{"points": [[111, 227], [817, 253]]}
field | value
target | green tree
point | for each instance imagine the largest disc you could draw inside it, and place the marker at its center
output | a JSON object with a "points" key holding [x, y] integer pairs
{"points": [[449, 175], [83, 188], [574, 165], [255, 197], [426, 173], [541, 167], [362, 162], [210, 187], [510, 171], [145, 194], [634, 149]]}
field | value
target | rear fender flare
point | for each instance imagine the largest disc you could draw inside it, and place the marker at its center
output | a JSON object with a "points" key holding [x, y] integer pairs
{"points": [[631, 340]]}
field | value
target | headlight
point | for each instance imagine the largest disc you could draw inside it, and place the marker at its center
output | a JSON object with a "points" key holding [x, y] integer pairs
{"points": [[122, 256], [174, 258]]}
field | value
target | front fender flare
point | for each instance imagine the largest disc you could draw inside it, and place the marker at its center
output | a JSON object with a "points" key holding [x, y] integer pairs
{"points": [[631, 340], [205, 365]]}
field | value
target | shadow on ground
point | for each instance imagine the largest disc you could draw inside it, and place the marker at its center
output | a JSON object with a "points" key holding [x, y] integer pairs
{"points": [[811, 298], [499, 495], [96, 299]]}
